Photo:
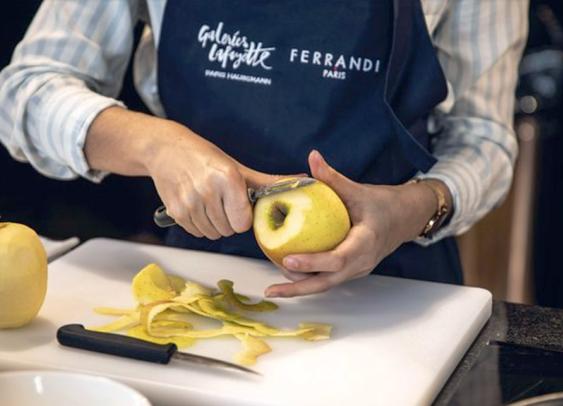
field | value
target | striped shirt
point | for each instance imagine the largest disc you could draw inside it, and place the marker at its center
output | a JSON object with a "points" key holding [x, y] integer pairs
{"points": [[71, 62]]}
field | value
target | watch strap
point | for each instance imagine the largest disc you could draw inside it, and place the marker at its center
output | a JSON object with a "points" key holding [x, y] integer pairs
{"points": [[442, 209]]}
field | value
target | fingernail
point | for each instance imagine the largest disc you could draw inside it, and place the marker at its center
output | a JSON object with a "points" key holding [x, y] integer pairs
{"points": [[319, 155], [269, 293], [291, 263]]}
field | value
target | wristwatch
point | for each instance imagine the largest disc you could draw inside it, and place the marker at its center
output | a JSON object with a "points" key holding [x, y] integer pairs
{"points": [[441, 213]]}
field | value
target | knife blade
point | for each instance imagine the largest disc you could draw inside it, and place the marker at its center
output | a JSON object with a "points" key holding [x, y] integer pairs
{"points": [[76, 336], [163, 220], [283, 186]]}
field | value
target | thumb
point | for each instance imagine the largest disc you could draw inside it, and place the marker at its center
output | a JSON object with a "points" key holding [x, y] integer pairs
{"points": [[322, 171]]}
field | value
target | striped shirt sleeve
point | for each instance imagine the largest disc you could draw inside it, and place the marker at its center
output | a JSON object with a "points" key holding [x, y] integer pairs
{"points": [[68, 68], [479, 44]]}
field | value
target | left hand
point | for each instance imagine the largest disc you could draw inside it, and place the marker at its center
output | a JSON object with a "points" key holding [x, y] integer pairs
{"points": [[383, 217]]}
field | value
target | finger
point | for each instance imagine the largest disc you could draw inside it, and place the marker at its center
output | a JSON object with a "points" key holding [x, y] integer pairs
{"points": [[292, 276], [218, 218], [295, 276], [322, 171], [202, 222], [314, 284], [362, 274], [187, 224], [236, 205], [346, 254], [181, 216]]}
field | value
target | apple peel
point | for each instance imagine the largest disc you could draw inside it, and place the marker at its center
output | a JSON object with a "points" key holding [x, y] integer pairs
{"points": [[126, 321], [316, 331], [168, 306], [113, 311], [140, 333], [252, 348], [151, 284], [177, 283], [231, 298]]}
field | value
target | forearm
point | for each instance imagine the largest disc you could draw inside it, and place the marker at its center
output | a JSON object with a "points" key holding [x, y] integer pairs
{"points": [[476, 147], [65, 71], [123, 142]]}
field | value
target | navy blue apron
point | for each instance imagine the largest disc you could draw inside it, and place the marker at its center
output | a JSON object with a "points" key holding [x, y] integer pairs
{"points": [[269, 80]]}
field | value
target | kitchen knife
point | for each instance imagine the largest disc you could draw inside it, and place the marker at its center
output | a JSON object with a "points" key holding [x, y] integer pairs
{"points": [[76, 336], [162, 219]]}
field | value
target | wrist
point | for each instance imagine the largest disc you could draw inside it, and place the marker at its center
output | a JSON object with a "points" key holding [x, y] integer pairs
{"points": [[443, 189], [417, 205], [162, 140], [437, 195], [407, 209], [126, 142]]}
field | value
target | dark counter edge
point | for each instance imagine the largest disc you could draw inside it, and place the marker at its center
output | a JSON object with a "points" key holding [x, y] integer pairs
{"points": [[513, 323]]}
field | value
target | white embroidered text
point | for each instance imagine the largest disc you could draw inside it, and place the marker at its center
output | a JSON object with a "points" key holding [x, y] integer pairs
{"points": [[236, 49]]}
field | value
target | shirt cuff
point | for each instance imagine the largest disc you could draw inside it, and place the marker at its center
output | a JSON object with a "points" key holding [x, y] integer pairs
{"points": [[64, 120], [79, 121], [458, 176]]}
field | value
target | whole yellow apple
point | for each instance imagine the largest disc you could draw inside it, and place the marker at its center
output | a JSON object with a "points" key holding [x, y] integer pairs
{"points": [[23, 275], [308, 219]]}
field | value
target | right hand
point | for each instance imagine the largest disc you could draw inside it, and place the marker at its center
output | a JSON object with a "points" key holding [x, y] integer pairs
{"points": [[204, 190]]}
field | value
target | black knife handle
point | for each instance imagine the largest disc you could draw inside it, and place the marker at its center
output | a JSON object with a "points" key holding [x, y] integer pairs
{"points": [[75, 335], [162, 219]]}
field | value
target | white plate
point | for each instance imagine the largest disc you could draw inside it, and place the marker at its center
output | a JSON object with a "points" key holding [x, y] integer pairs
{"points": [[49, 388]]}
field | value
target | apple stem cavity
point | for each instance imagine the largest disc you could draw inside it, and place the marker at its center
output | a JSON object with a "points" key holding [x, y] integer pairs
{"points": [[278, 214]]}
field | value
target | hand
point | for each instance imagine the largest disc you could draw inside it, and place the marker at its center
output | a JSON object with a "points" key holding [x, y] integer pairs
{"points": [[383, 217], [204, 190]]}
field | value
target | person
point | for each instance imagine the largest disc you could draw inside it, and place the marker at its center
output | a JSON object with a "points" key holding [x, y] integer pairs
{"points": [[403, 107]]}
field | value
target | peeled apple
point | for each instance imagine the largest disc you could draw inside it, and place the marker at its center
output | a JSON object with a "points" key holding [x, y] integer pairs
{"points": [[23, 275], [308, 219]]}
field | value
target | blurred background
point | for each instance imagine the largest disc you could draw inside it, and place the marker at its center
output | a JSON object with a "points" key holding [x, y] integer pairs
{"points": [[513, 252]]}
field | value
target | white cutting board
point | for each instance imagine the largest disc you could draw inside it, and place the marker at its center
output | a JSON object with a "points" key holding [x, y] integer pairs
{"points": [[395, 341]]}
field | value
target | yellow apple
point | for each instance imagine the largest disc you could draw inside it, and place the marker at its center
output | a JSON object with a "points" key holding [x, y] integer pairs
{"points": [[308, 219], [23, 275]]}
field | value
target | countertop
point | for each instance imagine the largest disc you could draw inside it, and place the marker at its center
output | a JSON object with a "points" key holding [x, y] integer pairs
{"points": [[512, 323]]}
